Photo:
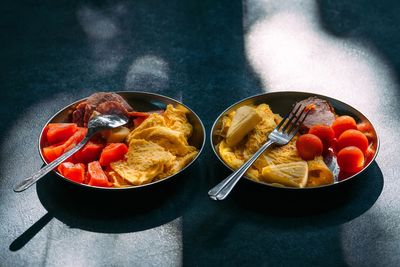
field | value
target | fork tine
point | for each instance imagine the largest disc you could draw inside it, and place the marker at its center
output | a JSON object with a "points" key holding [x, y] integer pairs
{"points": [[297, 129], [285, 118], [293, 115], [294, 125]]}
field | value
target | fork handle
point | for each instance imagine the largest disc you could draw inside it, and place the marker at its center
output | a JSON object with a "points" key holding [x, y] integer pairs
{"points": [[221, 190]]}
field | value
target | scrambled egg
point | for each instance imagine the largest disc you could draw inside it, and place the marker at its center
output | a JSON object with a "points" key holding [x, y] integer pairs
{"points": [[237, 155], [158, 148]]}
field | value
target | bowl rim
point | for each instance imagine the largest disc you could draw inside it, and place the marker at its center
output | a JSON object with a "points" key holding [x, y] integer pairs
{"points": [[308, 94], [128, 187]]}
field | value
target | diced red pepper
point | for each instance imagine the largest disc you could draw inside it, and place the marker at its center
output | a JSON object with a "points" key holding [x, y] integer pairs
{"points": [[54, 151], [113, 152], [60, 132], [75, 138], [50, 153], [90, 152], [74, 172], [96, 175]]}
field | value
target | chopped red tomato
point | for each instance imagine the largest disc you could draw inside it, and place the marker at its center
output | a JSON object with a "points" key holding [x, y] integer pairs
{"points": [[74, 172], [60, 132], [90, 152], [50, 153], [96, 175], [113, 152], [75, 138]]}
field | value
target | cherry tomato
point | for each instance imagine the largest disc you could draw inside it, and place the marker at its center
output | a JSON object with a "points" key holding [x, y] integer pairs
{"points": [[342, 124], [366, 128], [325, 133], [350, 159], [369, 155], [309, 146], [353, 138]]}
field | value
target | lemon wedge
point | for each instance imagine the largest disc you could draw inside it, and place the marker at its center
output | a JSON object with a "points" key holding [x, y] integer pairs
{"points": [[293, 174]]}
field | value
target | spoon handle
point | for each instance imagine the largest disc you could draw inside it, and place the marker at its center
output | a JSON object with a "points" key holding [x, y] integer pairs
{"points": [[26, 183]]}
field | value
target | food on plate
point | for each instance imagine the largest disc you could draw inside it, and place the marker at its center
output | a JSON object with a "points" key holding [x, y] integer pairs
{"points": [[158, 148], [353, 138], [152, 146], [325, 133], [318, 172], [103, 103], [112, 152], [293, 174], [342, 124], [243, 121], [74, 172], [350, 159], [322, 113], [281, 165], [303, 161], [96, 176], [309, 146]]}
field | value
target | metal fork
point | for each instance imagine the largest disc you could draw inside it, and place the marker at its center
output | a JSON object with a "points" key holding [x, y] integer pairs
{"points": [[281, 135]]}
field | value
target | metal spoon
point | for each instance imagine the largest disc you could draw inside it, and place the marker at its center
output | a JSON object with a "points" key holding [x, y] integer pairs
{"points": [[96, 124]]}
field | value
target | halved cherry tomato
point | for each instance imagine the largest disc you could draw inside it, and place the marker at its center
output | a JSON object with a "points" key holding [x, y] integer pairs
{"points": [[96, 175], [113, 152], [350, 159], [309, 146], [60, 132], [90, 152], [74, 172], [342, 124], [325, 133], [353, 138]]}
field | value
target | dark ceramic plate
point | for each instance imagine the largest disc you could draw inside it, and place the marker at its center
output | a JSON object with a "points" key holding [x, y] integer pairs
{"points": [[141, 101], [281, 103]]}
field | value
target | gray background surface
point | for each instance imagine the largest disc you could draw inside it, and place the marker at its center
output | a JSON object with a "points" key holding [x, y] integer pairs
{"points": [[208, 54]]}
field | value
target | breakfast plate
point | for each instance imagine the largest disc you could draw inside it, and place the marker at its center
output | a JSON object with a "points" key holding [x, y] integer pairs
{"points": [[278, 166], [162, 139]]}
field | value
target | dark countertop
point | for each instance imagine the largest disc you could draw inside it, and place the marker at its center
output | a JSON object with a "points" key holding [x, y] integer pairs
{"points": [[208, 54]]}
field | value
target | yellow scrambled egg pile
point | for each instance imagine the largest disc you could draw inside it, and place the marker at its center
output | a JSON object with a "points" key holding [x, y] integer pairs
{"points": [[236, 156], [158, 148]]}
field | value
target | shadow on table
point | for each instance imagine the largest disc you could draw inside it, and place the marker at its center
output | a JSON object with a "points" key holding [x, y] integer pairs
{"points": [[274, 227], [117, 211], [111, 212]]}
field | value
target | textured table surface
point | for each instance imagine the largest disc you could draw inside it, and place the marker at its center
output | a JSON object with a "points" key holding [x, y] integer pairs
{"points": [[208, 54]]}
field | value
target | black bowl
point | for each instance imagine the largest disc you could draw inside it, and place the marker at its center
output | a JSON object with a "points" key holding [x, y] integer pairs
{"points": [[281, 103], [141, 101]]}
